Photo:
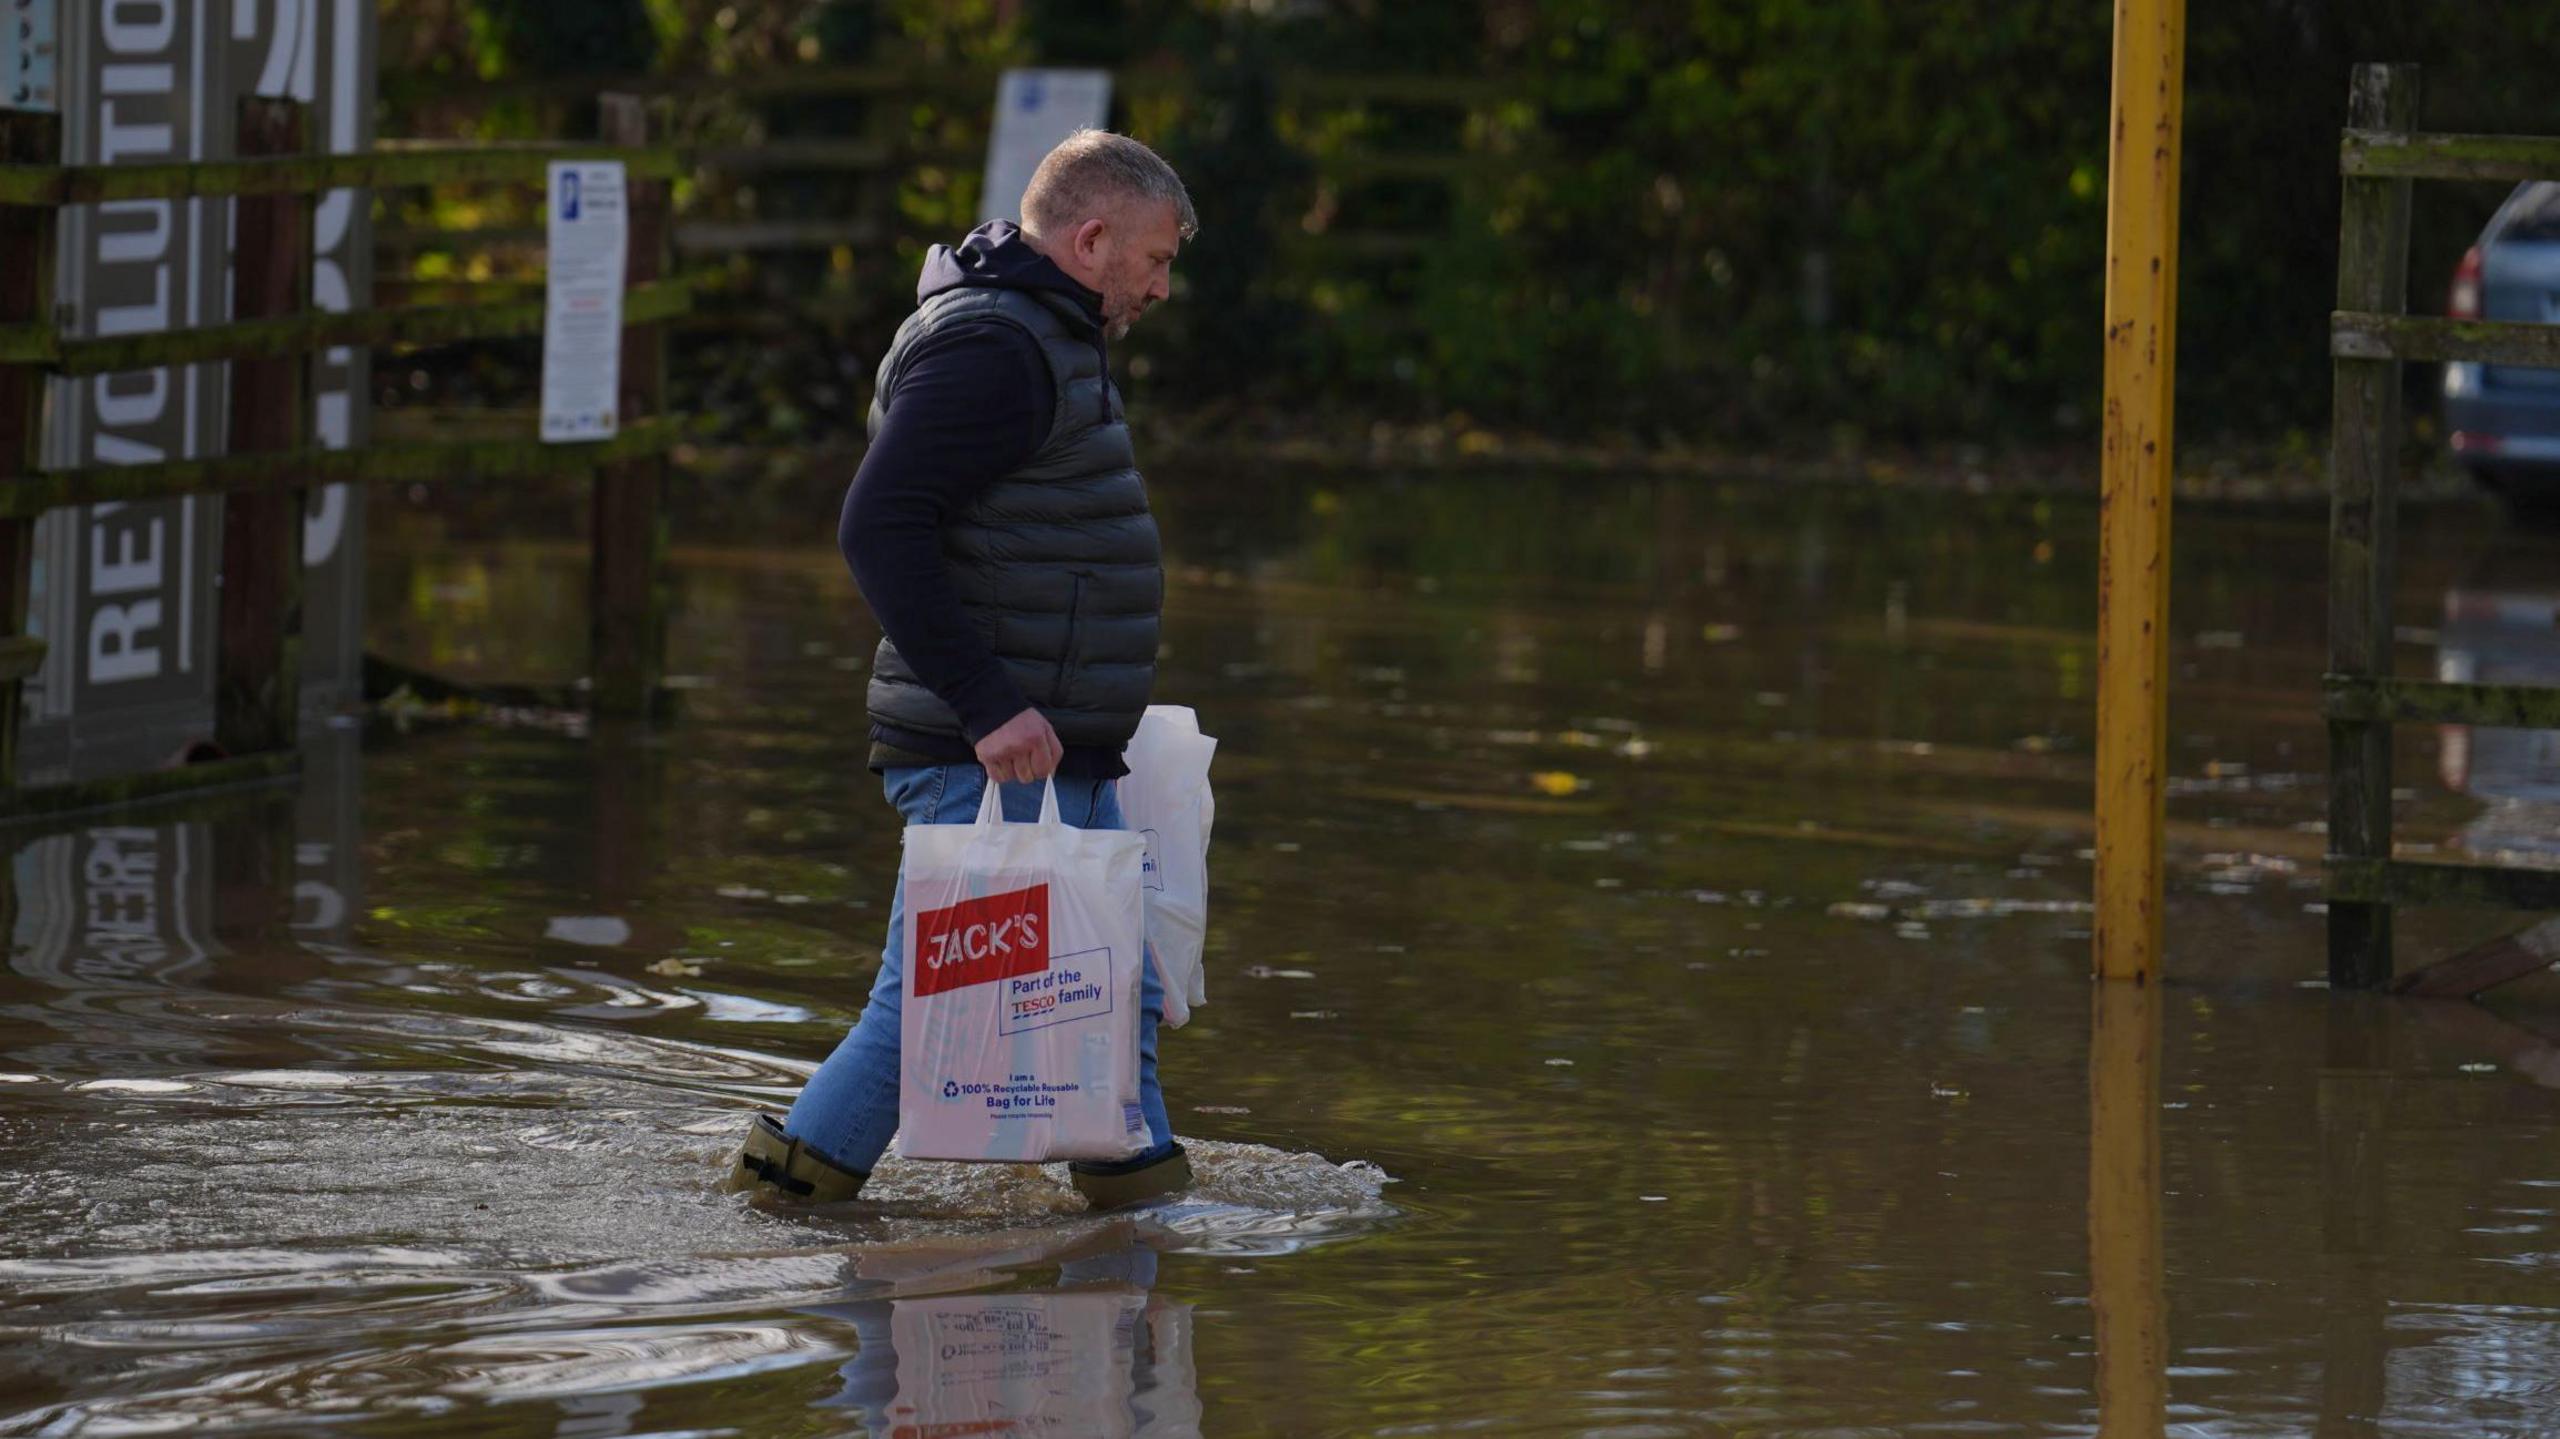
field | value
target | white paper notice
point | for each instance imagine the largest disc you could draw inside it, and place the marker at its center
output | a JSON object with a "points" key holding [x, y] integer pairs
{"points": [[1035, 109], [29, 63], [582, 334]]}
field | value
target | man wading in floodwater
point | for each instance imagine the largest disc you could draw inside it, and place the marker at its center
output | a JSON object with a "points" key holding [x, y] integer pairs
{"points": [[1000, 532]]}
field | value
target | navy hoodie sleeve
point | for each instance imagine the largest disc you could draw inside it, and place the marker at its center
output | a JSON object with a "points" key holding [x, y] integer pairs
{"points": [[971, 405]]}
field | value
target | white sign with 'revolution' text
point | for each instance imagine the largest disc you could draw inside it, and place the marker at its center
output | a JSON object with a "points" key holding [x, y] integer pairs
{"points": [[582, 332]]}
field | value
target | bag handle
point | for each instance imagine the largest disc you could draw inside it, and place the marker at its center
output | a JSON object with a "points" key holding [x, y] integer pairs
{"points": [[991, 804]]}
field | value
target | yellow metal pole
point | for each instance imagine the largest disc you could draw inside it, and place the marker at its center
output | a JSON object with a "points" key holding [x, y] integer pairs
{"points": [[2127, 1294], [2133, 552]]}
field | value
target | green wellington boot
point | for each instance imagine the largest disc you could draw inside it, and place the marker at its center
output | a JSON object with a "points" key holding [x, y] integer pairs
{"points": [[771, 1159], [1112, 1186]]}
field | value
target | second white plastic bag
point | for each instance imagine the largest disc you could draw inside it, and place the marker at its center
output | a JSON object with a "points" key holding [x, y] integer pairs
{"points": [[1166, 797], [1023, 947]]}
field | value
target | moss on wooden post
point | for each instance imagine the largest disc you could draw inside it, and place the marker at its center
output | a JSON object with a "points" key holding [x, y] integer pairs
{"points": [[2381, 882], [2355, 336], [2364, 452], [2390, 154], [2439, 702]]}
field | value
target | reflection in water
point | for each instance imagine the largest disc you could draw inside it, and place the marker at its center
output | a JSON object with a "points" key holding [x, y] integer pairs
{"points": [[1677, 889], [115, 913], [114, 906], [328, 854], [306, 1178], [2356, 1082], [1099, 1354], [2502, 626], [2126, 1288]]}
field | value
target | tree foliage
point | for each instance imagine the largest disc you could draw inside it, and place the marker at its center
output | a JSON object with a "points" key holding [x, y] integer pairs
{"points": [[1819, 222]]}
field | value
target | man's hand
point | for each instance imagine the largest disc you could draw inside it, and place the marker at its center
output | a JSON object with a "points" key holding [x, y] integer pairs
{"points": [[1023, 748]]}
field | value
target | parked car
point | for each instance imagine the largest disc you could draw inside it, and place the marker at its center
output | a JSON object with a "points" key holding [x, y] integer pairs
{"points": [[2504, 420]]}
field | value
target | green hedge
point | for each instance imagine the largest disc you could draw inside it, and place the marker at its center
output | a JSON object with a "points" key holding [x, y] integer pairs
{"points": [[1808, 222]]}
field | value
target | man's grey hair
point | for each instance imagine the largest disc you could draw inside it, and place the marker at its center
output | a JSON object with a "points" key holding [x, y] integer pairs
{"points": [[1094, 171]]}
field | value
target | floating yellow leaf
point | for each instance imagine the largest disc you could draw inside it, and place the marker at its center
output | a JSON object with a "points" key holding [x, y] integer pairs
{"points": [[1558, 783]]}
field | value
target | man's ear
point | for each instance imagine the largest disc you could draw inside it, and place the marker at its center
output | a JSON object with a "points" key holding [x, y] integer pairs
{"points": [[1088, 238]]}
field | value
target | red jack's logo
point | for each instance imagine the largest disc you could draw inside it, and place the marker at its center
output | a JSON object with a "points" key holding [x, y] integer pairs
{"points": [[980, 941]]}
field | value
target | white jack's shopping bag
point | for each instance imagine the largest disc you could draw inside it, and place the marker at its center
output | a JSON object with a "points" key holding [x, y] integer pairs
{"points": [[1166, 798], [1019, 1033]]}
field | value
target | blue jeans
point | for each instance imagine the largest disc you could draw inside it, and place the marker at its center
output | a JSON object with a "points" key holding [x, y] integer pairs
{"points": [[849, 1108]]}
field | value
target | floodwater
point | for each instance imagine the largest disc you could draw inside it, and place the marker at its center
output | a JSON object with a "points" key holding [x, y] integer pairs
{"points": [[1647, 997]]}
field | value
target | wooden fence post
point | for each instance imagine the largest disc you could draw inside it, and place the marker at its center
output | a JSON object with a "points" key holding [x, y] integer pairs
{"points": [[26, 297], [627, 595], [2364, 457], [258, 699]]}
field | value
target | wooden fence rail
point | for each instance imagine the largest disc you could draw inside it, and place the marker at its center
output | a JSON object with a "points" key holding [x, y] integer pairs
{"points": [[956, 82], [447, 462], [270, 344], [390, 166], [884, 147], [2357, 336], [2371, 336], [2382, 153], [290, 335]]}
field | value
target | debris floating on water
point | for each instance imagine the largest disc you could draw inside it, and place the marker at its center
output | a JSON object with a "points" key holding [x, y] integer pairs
{"points": [[594, 931], [132, 1086]]}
